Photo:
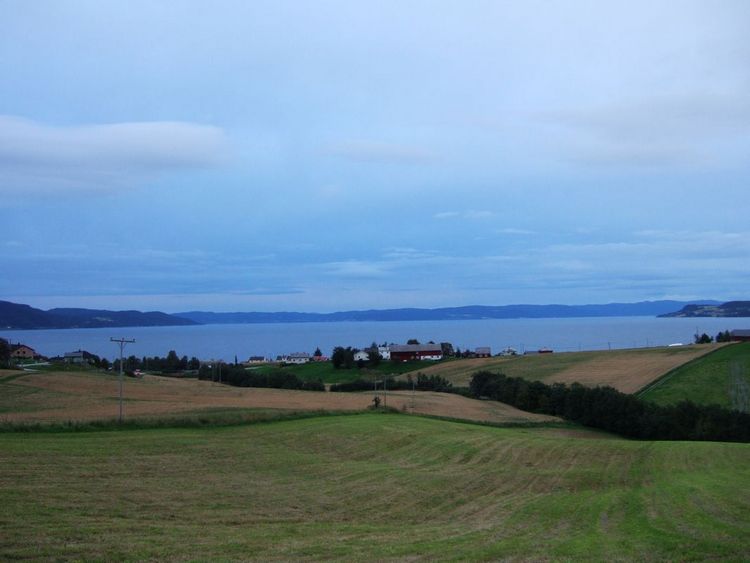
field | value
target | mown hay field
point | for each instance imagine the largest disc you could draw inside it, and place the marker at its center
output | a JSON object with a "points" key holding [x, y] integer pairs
{"points": [[721, 378], [70, 396], [370, 487], [625, 370]]}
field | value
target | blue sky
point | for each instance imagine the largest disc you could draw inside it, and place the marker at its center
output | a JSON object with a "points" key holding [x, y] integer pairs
{"points": [[331, 155]]}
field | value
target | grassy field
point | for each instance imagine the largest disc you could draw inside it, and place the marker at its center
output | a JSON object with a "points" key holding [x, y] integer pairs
{"points": [[705, 380], [63, 396], [625, 370], [373, 486]]}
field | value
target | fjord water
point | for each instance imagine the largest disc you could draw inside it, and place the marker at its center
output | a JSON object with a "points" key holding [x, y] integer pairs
{"points": [[225, 341]]}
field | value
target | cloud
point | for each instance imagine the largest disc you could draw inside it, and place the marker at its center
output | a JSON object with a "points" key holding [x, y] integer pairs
{"points": [[369, 151], [692, 130], [40, 158]]}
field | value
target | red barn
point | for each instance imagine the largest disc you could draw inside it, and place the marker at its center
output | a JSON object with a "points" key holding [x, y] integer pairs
{"points": [[740, 335], [411, 352]]}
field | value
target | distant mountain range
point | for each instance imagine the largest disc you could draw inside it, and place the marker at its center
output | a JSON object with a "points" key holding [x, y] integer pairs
{"points": [[728, 309], [642, 309], [17, 316]]}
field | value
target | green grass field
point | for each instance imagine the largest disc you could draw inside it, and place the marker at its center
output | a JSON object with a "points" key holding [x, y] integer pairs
{"points": [[706, 380], [371, 486]]}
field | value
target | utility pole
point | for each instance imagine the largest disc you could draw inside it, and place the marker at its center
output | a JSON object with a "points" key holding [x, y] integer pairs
{"points": [[121, 342]]}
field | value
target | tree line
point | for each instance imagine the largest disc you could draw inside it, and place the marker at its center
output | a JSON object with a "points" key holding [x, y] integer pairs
{"points": [[421, 383], [171, 363], [607, 409], [238, 376]]}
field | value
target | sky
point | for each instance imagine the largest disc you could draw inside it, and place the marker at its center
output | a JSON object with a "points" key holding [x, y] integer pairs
{"points": [[336, 155]]}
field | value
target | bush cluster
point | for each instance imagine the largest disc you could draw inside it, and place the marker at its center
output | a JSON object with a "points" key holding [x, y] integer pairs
{"points": [[608, 409], [422, 383], [277, 379]]}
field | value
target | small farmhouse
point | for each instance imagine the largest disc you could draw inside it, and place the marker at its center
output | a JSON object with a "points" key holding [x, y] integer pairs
{"points": [[296, 358], [410, 352], [22, 352], [740, 335], [483, 352], [76, 357], [361, 356]]}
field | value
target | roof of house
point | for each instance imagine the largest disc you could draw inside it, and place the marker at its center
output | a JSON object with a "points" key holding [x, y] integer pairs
{"points": [[483, 350], [416, 348], [740, 332], [299, 355]]}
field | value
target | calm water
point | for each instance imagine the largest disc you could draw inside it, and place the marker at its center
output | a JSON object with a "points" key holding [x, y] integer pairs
{"points": [[270, 340]]}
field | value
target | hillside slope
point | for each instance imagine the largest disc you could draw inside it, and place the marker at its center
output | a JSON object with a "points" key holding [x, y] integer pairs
{"points": [[370, 488], [720, 378], [64, 396], [729, 309], [625, 370], [16, 316]]}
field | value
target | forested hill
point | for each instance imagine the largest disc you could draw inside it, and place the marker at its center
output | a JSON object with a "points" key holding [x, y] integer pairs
{"points": [[642, 309], [728, 309], [18, 316]]}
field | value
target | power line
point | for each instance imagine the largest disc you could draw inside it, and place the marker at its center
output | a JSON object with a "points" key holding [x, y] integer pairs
{"points": [[121, 342]]}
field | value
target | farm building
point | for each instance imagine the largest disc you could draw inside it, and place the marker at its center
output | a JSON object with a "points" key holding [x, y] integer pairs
{"points": [[296, 358], [409, 352], [740, 335], [483, 352], [74, 357], [22, 352], [361, 356]]}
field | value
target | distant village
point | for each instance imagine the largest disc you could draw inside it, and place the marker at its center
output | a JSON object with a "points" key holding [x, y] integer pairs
{"points": [[412, 351]]}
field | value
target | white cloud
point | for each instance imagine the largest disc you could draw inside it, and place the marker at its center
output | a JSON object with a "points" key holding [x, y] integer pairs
{"points": [[40, 158], [514, 231]]}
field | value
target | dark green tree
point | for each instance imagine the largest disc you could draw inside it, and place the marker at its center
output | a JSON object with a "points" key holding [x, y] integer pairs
{"points": [[373, 355], [4, 353], [703, 338]]}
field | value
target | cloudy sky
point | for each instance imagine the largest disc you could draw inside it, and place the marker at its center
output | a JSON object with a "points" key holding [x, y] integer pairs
{"points": [[331, 155]]}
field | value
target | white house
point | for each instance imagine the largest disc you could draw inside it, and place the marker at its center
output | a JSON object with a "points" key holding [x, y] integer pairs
{"points": [[296, 358], [361, 356], [385, 352]]}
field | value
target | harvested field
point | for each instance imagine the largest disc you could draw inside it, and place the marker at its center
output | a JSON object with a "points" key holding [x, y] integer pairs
{"points": [[64, 396], [625, 370], [371, 487]]}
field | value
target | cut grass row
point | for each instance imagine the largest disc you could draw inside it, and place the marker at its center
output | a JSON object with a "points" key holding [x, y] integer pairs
{"points": [[370, 487]]}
